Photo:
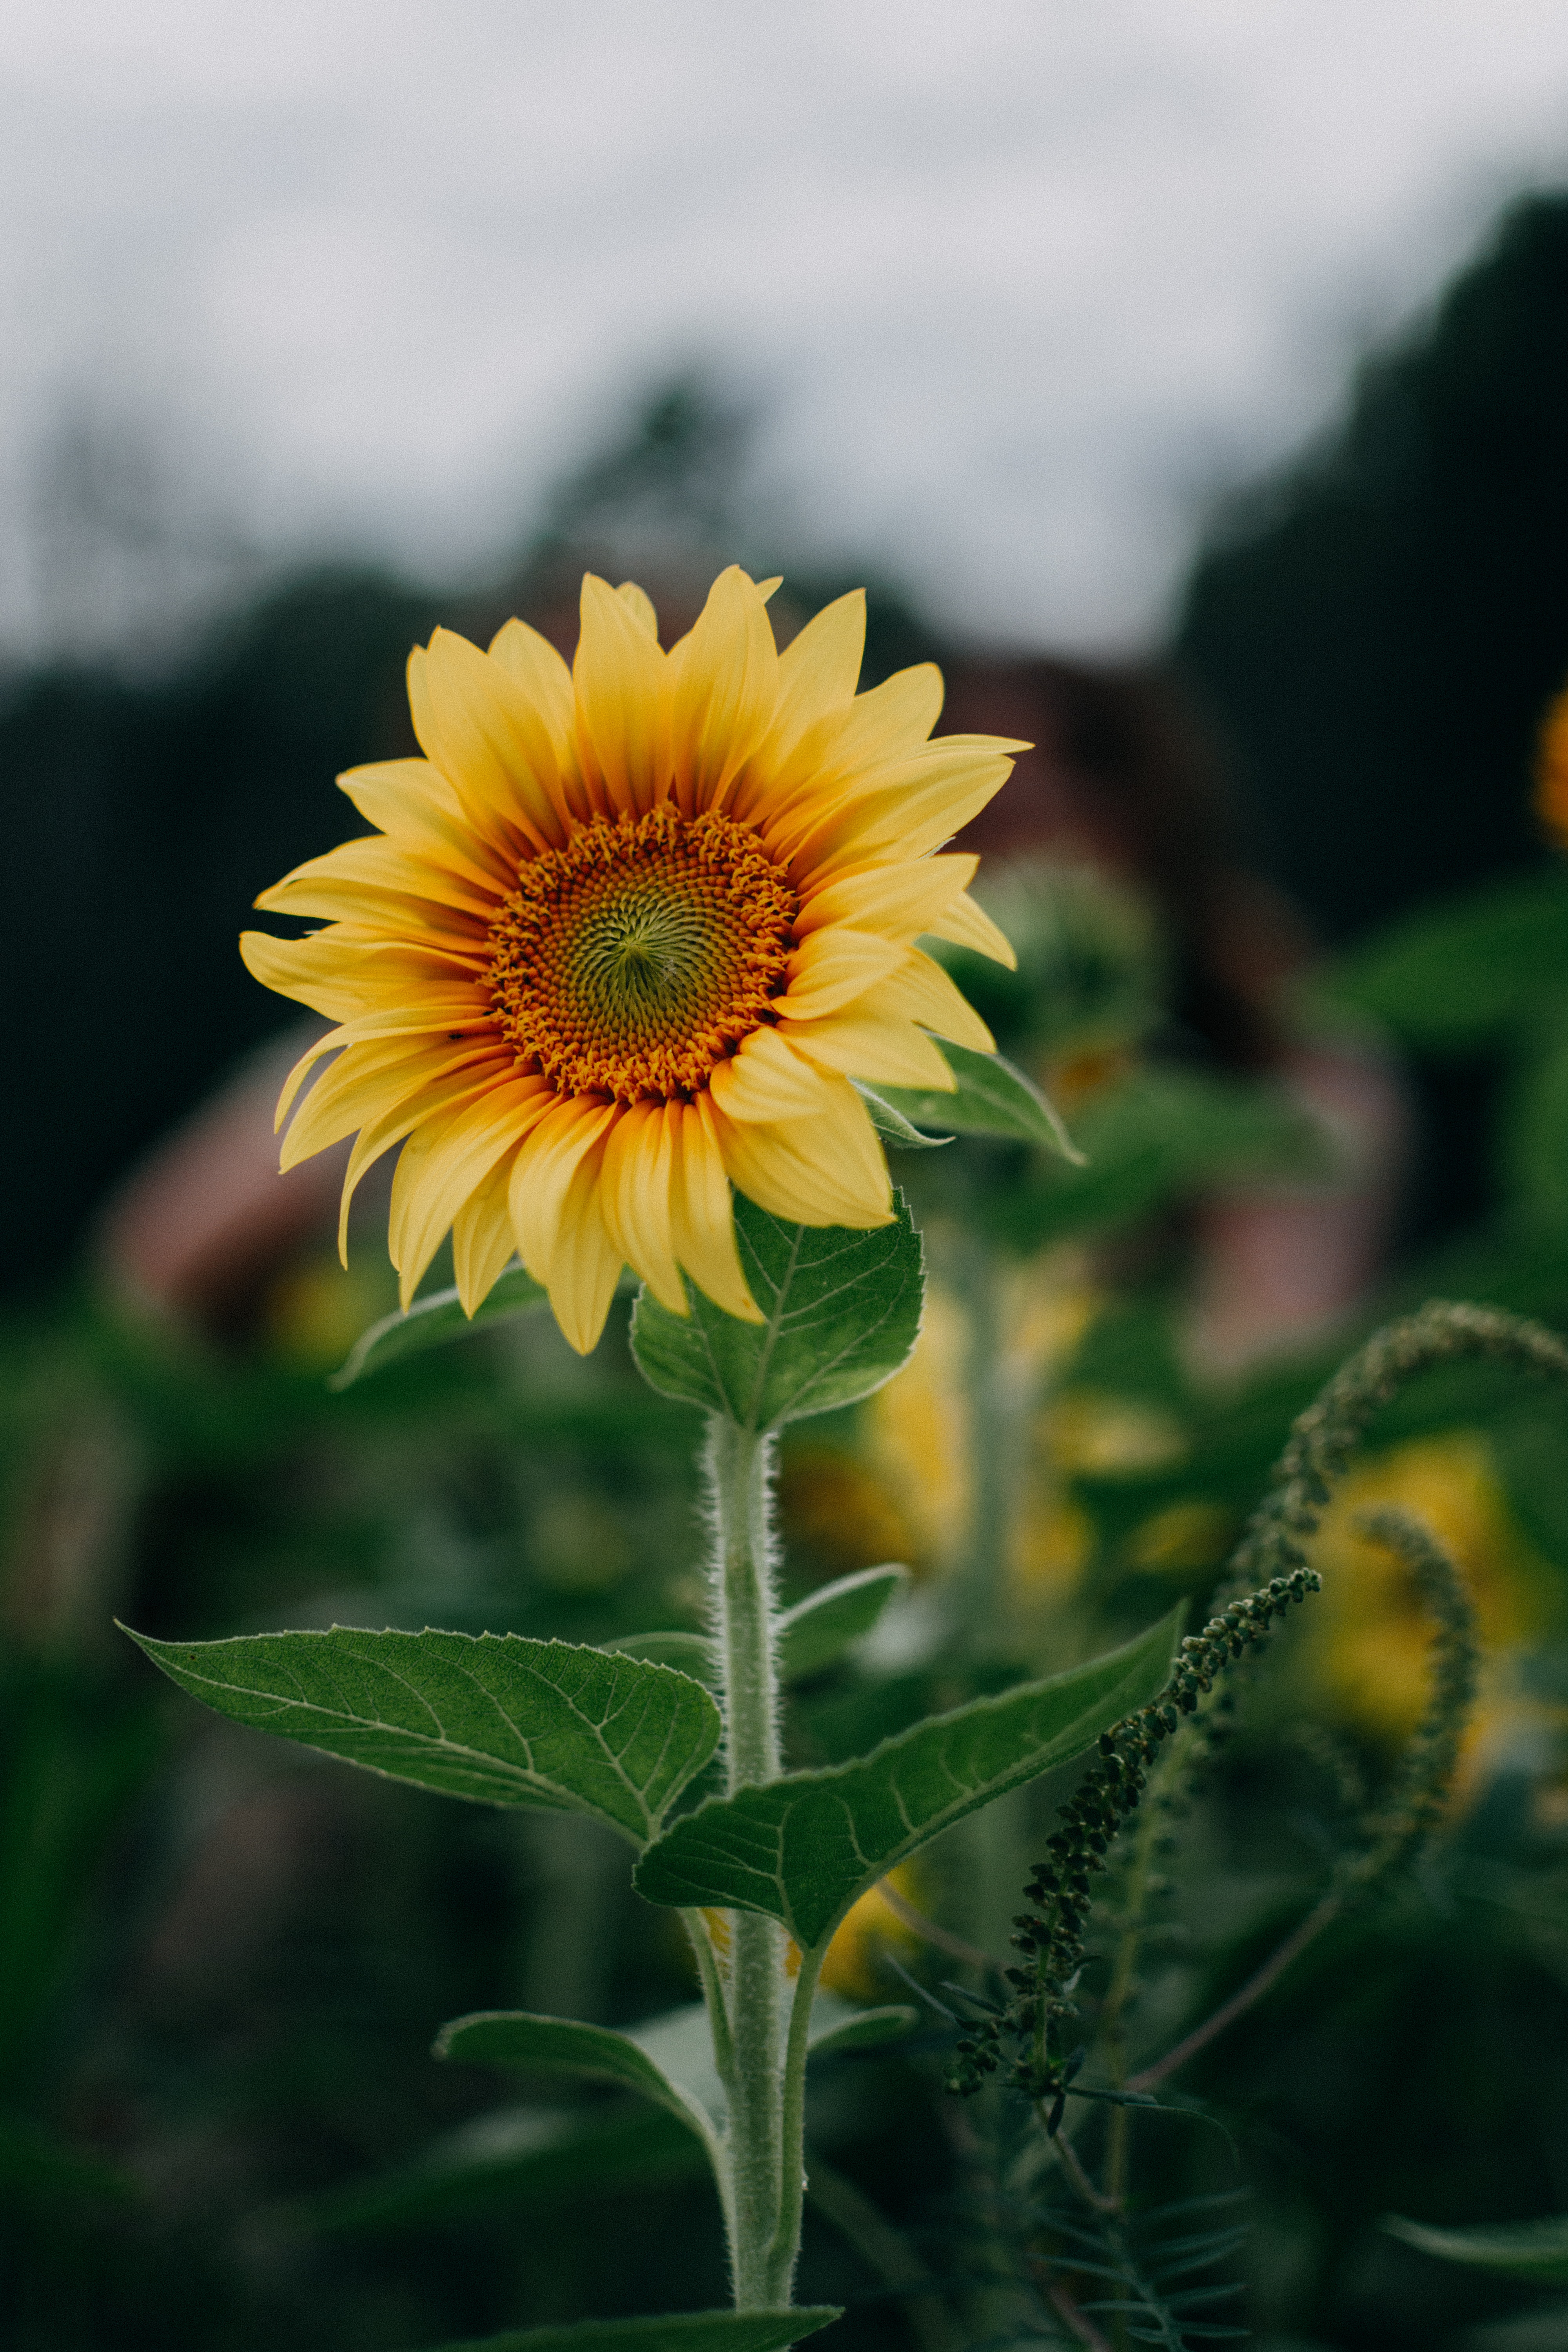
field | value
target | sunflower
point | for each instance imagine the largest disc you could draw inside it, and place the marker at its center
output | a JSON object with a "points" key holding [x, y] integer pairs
{"points": [[623, 938]]}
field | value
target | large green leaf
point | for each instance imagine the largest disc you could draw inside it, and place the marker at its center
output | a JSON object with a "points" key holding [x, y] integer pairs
{"points": [[676, 2331], [843, 1312], [990, 1097], [1526, 2250], [432, 1322], [816, 1629], [498, 1718], [803, 1849]]}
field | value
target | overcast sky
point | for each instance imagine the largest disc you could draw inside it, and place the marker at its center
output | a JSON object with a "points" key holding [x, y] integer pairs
{"points": [[1019, 286]]}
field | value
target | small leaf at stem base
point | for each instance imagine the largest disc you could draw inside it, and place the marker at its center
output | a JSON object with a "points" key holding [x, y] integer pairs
{"points": [[676, 2331]]}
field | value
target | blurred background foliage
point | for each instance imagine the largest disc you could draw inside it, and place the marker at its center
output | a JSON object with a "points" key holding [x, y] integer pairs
{"points": [[222, 1963]]}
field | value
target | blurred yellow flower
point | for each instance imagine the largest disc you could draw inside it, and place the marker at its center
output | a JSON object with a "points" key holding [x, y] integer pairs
{"points": [[1368, 1639], [868, 1930], [625, 936], [1552, 770]]}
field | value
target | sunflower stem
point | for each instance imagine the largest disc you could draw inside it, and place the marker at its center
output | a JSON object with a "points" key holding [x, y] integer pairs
{"points": [[763, 2151]]}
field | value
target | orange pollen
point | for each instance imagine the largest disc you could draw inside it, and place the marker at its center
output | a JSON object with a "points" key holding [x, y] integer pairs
{"points": [[637, 958]]}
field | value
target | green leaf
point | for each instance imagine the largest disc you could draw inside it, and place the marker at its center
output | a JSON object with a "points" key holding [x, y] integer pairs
{"points": [[863, 2028], [1452, 976], [1526, 2250], [816, 1629], [843, 1312], [432, 1322], [1156, 1136], [676, 2331], [690, 1654], [893, 1126], [500, 1719], [557, 2045], [991, 1097], [804, 1848]]}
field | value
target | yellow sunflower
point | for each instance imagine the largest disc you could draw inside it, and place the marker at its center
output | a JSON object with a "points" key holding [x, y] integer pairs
{"points": [[625, 936]]}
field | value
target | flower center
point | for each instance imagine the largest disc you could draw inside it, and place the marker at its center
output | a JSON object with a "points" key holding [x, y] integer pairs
{"points": [[632, 961]]}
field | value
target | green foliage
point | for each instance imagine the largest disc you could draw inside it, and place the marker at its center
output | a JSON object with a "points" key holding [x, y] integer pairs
{"points": [[435, 1322], [821, 1627], [990, 1097], [895, 1130], [804, 1848], [1142, 2266], [1154, 1136], [557, 2045], [689, 2331], [1459, 974], [864, 2028], [503, 1720], [1523, 2250], [843, 1311]]}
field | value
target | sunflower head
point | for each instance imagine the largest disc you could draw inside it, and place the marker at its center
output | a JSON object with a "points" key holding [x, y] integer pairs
{"points": [[623, 938]]}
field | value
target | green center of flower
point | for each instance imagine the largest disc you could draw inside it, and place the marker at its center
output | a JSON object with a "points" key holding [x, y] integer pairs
{"points": [[631, 961]]}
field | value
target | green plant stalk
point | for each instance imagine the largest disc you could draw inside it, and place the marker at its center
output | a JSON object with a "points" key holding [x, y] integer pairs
{"points": [[764, 2075]]}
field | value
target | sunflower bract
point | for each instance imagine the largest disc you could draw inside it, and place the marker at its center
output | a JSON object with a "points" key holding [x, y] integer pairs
{"points": [[623, 937]]}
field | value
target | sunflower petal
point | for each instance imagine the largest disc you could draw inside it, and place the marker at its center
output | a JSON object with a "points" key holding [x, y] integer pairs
{"points": [[900, 901], [639, 602], [415, 805], [702, 1214], [724, 691], [635, 1186], [928, 995], [482, 1241], [492, 742], [832, 967], [543, 1175], [827, 1171], [874, 1040], [819, 670], [623, 705], [367, 1081], [445, 1158], [969, 926], [764, 1081], [545, 680], [376, 868]]}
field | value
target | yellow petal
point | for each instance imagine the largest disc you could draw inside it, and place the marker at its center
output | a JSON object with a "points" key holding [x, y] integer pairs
{"points": [[544, 681], [465, 1085], [703, 1216], [543, 1175], [907, 816], [928, 996], [639, 602], [586, 1266], [411, 801], [764, 1081], [832, 967], [887, 725], [326, 885], [277, 964], [636, 1181], [969, 926], [623, 705], [367, 1081], [825, 1170], [482, 1237], [484, 736], [876, 1041], [819, 671], [899, 901], [723, 691], [442, 1162]]}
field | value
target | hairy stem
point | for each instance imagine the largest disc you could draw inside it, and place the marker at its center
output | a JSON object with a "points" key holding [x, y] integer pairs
{"points": [[762, 2148]]}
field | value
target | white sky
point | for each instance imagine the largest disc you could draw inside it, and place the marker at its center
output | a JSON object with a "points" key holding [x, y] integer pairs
{"points": [[1020, 285]]}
